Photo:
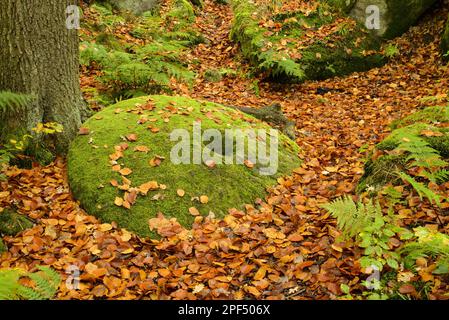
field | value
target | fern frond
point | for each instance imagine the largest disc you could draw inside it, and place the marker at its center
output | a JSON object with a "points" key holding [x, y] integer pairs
{"points": [[421, 189], [14, 102], [353, 217], [46, 282]]}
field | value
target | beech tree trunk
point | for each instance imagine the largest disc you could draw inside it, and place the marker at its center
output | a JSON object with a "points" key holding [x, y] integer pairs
{"points": [[39, 56]]}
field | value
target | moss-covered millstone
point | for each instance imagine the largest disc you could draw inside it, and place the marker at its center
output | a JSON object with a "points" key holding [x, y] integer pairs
{"points": [[12, 223], [427, 124], [124, 159], [306, 40], [395, 16], [445, 41]]}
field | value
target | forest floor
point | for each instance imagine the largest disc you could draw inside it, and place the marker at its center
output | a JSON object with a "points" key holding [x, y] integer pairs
{"points": [[284, 249]]}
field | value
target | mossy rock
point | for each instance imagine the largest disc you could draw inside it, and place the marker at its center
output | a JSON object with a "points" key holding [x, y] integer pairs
{"points": [[226, 185], [383, 169], [344, 5], [396, 16], [445, 41], [12, 223], [292, 54]]}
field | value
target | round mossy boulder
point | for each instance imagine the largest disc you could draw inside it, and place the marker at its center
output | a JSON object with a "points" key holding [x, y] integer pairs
{"points": [[174, 155]]}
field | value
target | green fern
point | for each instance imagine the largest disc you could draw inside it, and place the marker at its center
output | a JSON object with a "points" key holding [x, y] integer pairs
{"points": [[14, 102], [421, 189], [428, 244], [420, 153], [353, 218], [45, 284]]}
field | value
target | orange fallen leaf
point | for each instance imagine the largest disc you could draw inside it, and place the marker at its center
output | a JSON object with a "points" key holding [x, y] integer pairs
{"points": [[83, 131], [131, 137], [125, 171], [142, 149], [194, 211], [118, 201]]}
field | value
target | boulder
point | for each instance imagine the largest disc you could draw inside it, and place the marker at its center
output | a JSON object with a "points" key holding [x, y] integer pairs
{"points": [[137, 7], [395, 16], [127, 165]]}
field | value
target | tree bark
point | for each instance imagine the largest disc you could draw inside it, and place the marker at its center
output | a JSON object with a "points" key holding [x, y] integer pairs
{"points": [[39, 55]]}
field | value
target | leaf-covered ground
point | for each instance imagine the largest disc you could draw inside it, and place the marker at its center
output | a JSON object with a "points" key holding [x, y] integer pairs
{"points": [[281, 248]]}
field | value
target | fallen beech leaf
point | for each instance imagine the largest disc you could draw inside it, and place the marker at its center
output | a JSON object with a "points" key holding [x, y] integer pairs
{"points": [[125, 171], [253, 291], [204, 199], [248, 164], [164, 272], [407, 289], [131, 137], [118, 201], [210, 164], [194, 211], [144, 149], [260, 274], [430, 133], [149, 186], [105, 226], [198, 288], [83, 131]]}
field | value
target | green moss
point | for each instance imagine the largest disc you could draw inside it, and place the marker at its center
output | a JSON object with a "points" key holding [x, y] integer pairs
{"points": [[445, 41], [12, 223], [227, 186], [343, 5], [213, 76], [396, 16], [402, 14], [380, 171], [3, 247]]}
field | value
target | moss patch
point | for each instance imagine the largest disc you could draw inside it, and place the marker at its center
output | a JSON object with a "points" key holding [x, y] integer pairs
{"points": [[12, 223], [445, 41], [316, 41], [3, 247], [226, 186]]}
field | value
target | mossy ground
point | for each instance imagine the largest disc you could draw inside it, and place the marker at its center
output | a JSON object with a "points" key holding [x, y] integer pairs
{"points": [[383, 169], [12, 223], [226, 186]]}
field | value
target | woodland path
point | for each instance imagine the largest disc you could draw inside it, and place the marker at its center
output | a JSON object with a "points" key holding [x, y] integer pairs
{"points": [[283, 249]]}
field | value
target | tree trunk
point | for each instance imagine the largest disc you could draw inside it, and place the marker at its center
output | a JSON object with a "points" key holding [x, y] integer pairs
{"points": [[39, 56]]}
